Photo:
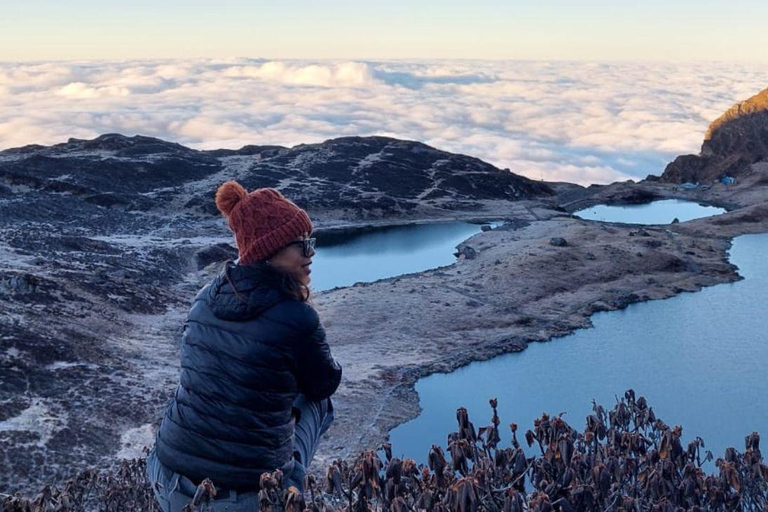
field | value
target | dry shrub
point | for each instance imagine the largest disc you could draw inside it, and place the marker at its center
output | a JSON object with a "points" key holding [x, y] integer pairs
{"points": [[625, 459], [122, 489]]}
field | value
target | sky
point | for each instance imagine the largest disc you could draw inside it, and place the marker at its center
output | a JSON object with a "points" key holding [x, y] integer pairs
{"points": [[592, 91], [396, 29]]}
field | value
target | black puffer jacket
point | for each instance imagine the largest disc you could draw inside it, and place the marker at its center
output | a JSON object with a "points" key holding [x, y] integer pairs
{"points": [[246, 353]]}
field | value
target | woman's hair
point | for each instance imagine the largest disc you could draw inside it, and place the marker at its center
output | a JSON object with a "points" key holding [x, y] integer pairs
{"points": [[284, 282]]}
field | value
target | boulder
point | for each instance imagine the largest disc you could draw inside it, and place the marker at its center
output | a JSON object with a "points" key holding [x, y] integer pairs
{"points": [[20, 283], [558, 241], [467, 251], [214, 254]]}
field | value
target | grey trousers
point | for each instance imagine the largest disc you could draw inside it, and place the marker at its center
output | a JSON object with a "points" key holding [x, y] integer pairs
{"points": [[173, 490]]}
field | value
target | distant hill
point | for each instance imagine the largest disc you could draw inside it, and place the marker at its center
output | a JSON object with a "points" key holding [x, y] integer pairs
{"points": [[368, 176], [733, 142]]}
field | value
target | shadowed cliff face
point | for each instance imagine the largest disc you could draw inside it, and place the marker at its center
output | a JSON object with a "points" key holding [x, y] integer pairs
{"points": [[732, 143]]}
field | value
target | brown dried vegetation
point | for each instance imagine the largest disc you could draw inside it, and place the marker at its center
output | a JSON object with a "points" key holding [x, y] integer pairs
{"points": [[626, 459], [125, 488]]}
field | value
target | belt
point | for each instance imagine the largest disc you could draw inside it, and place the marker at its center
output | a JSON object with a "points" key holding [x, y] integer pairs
{"points": [[189, 488]]}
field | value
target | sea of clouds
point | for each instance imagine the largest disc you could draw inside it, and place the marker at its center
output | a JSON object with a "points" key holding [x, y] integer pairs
{"points": [[574, 121]]}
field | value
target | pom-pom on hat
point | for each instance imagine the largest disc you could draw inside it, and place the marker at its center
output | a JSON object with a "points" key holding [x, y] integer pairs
{"points": [[263, 221]]}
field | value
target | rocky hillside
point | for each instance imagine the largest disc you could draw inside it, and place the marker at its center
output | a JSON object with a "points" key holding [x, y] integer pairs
{"points": [[104, 242], [366, 177], [733, 142]]}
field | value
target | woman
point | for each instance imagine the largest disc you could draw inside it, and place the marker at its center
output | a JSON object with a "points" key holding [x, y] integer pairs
{"points": [[256, 372]]}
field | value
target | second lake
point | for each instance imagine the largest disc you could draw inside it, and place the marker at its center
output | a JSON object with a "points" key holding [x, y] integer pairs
{"points": [[699, 358], [656, 212]]}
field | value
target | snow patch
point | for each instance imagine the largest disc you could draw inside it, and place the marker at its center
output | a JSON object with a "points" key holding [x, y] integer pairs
{"points": [[12, 353], [12, 319], [63, 365], [92, 154], [37, 418], [9, 258], [367, 162], [133, 441], [157, 191], [139, 241], [235, 167]]}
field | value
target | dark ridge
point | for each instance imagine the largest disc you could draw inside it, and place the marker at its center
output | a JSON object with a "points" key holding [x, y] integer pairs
{"points": [[125, 145], [249, 150], [29, 148], [733, 142], [365, 175], [404, 172], [96, 174]]}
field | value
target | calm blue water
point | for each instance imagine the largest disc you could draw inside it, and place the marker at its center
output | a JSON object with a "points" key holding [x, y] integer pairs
{"points": [[367, 256], [700, 359], [656, 212]]}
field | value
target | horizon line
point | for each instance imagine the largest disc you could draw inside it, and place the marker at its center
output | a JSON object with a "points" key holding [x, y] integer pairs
{"points": [[387, 59]]}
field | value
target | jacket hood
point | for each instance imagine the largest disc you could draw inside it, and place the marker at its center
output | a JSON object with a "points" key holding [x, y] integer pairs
{"points": [[239, 293]]}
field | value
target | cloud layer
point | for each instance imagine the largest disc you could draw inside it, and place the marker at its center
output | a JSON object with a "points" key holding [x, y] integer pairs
{"points": [[580, 122]]}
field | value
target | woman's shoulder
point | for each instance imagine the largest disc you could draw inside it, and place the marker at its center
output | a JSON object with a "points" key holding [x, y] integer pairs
{"points": [[300, 315]]}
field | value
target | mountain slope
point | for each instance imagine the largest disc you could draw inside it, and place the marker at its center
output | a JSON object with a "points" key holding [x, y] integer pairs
{"points": [[733, 142]]}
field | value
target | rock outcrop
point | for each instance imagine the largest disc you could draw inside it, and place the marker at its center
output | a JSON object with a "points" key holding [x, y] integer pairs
{"points": [[733, 142]]}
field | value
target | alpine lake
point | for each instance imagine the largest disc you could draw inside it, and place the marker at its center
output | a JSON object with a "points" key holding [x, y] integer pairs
{"points": [[699, 358]]}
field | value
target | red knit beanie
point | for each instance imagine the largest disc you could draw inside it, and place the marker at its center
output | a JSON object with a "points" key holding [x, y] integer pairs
{"points": [[263, 221]]}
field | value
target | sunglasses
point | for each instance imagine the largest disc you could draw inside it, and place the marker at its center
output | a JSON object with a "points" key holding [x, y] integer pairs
{"points": [[308, 245]]}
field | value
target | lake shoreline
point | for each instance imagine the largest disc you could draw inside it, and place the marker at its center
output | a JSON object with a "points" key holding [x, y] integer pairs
{"points": [[359, 228], [652, 347], [519, 289]]}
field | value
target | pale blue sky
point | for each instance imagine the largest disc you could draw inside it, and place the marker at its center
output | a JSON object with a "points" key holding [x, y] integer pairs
{"points": [[397, 29]]}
